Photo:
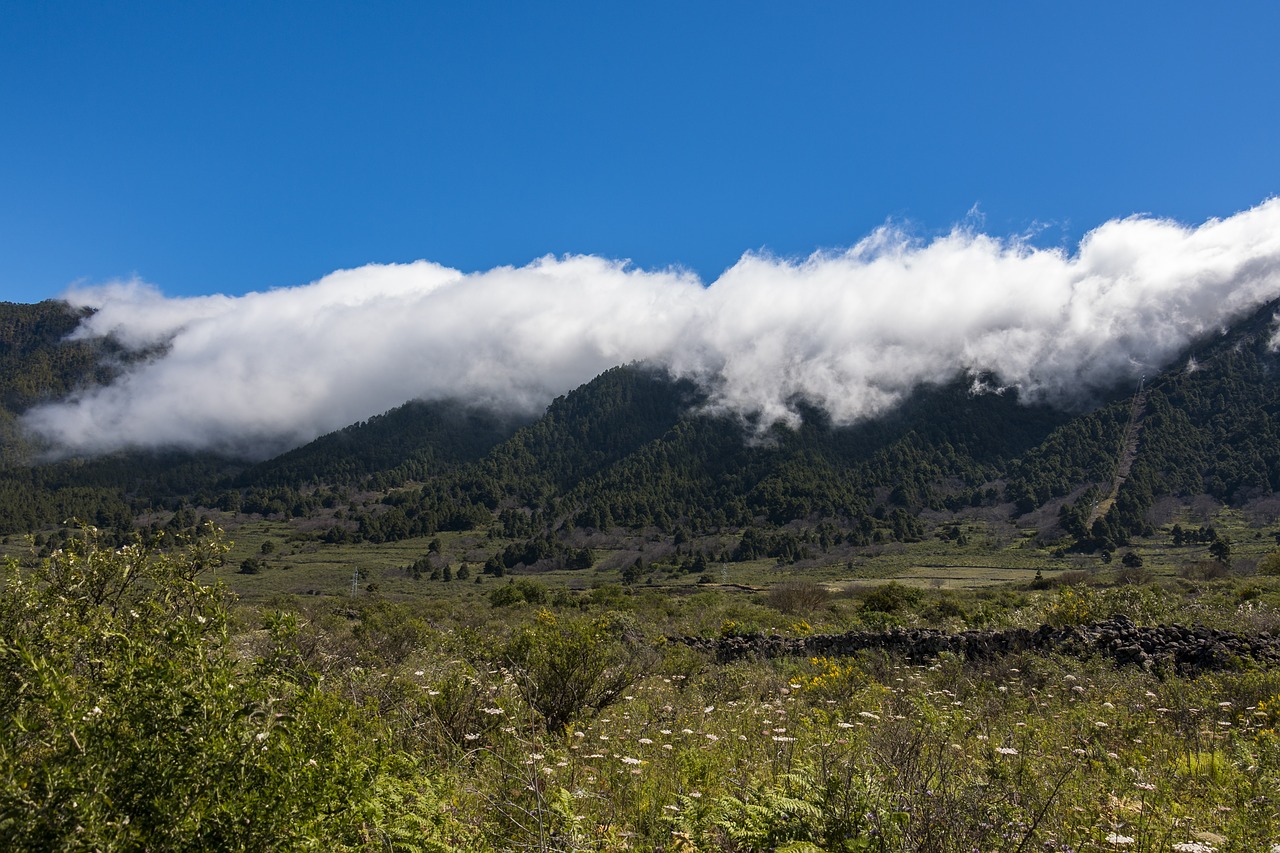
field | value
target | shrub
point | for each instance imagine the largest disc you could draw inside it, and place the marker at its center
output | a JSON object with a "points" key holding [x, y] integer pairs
{"points": [[892, 597], [798, 597], [127, 723], [1134, 575], [566, 666], [1204, 570], [518, 592]]}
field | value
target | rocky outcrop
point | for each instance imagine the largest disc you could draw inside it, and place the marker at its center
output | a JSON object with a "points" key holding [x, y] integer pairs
{"points": [[1174, 648]]}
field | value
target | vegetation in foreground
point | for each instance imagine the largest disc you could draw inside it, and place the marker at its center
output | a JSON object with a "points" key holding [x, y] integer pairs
{"points": [[143, 709]]}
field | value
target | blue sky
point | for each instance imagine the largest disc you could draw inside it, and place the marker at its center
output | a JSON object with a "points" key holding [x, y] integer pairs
{"points": [[230, 147]]}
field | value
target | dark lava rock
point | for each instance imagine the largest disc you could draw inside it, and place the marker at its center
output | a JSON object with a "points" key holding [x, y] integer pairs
{"points": [[1184, 650]]}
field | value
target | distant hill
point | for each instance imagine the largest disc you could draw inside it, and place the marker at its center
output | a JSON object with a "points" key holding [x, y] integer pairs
{"points": [[1208, 425], [411, 442], [38, 364], [635, 449]]}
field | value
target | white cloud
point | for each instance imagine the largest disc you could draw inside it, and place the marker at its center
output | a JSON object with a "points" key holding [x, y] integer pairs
{"points": [[853, 331]]}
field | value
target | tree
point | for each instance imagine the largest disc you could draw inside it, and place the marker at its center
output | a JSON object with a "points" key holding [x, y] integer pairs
{"points": [[632, 573], [1220, 550]]}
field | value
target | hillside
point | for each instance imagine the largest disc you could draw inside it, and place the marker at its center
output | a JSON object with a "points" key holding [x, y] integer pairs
{"points": [[37, 363], [1206, 426], [635, 450]]}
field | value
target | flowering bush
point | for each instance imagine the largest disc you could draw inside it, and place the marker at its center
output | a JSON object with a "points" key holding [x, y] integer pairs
{"points": [[126, 723]]}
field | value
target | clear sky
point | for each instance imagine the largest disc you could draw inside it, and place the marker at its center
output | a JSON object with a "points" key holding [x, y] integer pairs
{"points": [[225, 147]]}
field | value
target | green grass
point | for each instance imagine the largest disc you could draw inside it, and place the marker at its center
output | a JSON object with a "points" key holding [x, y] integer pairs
{"points": [[299, 565], [436, 707]]}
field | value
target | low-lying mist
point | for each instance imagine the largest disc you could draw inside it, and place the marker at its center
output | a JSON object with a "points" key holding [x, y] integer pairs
{"points": [[852, 331]]}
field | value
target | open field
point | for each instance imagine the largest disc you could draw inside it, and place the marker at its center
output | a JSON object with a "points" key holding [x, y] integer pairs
{"points": [[421, 715], [312, 568], [299, 565]]}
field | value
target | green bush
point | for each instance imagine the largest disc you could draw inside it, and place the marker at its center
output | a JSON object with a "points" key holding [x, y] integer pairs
{"points": [[568, 665], [126, 723], [892, 597]]}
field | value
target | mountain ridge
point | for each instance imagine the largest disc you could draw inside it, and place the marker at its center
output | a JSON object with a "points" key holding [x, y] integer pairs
{"points": [[638, 449]]}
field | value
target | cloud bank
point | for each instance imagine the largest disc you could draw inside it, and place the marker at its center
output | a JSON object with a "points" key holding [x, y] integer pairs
{"points": [[852, 331]]}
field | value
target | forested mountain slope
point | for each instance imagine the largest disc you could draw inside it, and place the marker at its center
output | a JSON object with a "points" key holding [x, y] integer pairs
{"points": [[37, 363], [635, 449], [411, 442], [1209, 426]]}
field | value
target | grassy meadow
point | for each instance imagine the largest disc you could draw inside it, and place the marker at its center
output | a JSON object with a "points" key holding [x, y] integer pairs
{"points": [[167, 700]]}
